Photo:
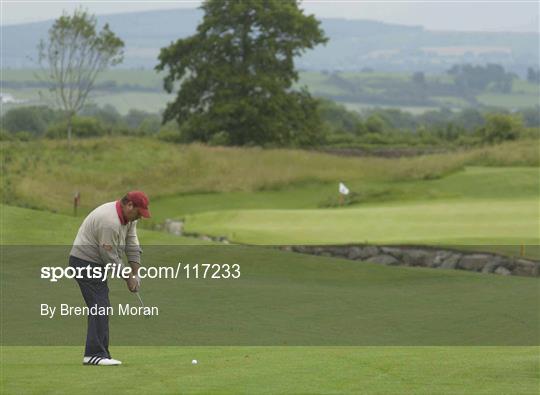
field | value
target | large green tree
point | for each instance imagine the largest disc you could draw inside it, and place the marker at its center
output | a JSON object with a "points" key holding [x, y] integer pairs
{"points": [[235, 76], [72, 57]]}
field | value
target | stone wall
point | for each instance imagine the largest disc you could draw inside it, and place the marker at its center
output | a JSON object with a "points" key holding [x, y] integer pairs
{"points": [[427, 257]]}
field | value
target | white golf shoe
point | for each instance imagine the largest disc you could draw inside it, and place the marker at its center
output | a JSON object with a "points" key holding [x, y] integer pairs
{"points": [[101, 361]]}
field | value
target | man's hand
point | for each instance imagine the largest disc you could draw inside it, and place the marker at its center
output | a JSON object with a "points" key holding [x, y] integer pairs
{"points": [[133, 283]]}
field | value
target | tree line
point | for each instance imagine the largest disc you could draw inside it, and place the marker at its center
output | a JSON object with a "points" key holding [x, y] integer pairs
{"points": [[340, 127]]}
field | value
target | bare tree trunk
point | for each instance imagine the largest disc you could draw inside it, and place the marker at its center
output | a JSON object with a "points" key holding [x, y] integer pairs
{"points": [[69, 126]]}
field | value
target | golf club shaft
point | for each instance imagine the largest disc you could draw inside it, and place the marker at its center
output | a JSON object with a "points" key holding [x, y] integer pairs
{"points": [[140, 299]]}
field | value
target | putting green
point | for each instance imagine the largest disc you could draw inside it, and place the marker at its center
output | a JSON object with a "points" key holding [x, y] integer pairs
{"points": [[463, 221]]}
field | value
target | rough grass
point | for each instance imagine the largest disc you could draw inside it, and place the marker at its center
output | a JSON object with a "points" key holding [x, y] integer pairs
{"points": [[45, 174]]}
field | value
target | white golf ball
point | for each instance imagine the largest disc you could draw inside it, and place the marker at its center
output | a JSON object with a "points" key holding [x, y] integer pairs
{"points": [[194, 362]]}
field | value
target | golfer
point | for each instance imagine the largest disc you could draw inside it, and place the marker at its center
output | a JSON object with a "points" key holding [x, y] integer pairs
{"points": [[104, 236]]}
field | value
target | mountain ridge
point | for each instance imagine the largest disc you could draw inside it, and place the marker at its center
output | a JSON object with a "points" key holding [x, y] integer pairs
{"points": [[354, 44]]}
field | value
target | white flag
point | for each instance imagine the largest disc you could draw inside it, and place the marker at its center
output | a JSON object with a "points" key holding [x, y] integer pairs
{"points": [[343, 189]]}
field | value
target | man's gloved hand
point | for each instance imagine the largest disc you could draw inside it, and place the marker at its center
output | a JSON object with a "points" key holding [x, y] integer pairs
{"points": [[133, 283]]}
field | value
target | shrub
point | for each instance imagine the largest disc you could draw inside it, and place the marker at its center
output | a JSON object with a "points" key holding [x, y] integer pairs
{"points": [[376, 138], [220, 138], [82, 127], [23, 136]]}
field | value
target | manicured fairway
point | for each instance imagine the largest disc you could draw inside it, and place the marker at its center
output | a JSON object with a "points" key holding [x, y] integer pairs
{"points": [[280, 298], [463, 221], [270, 370]]}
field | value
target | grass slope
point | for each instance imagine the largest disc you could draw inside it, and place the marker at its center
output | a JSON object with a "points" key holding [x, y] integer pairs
{"points": [[45, 174]]}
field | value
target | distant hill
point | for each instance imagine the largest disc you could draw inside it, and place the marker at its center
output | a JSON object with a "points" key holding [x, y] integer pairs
{"points": [[353, 45]]}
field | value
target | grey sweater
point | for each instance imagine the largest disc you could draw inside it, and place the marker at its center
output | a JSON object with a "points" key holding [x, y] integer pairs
{"points": [[102, 238]]}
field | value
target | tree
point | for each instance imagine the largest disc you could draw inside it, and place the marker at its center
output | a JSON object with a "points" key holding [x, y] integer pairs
{"points": [[375, 124], [73, 56], [32, 119], [236, 74], [478, 78], [501, 127], [338, 118], [108, 114]]}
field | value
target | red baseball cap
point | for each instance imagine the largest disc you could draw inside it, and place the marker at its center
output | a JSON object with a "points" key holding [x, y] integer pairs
{"points": [[140, 200]]}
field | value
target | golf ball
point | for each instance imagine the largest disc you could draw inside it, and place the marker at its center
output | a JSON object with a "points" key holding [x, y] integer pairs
{"points": [[194, 362]]}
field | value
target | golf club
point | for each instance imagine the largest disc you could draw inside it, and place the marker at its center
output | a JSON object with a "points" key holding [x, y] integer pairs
{"points": [[140, 299]]}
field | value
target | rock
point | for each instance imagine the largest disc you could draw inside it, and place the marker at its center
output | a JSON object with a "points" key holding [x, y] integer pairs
{"points": [[443, 259], [507, 263], [337, 251], [394, 251], [416, 257], [474, 262], [368, 252], [450, 262], [299, 249], [502, 271], [354, 253], [440, 257], [525, 267], [173, 226], [383, 259], [491, 266]]}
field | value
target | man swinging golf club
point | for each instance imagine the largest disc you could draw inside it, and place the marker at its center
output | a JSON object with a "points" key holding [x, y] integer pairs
{"points": [[105, 234]]}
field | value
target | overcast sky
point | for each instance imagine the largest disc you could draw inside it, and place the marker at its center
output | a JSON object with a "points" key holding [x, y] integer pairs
{"points": [[516, 16]]}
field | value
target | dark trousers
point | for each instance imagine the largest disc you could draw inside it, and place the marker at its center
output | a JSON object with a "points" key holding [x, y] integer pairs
{"points": [[95, 293]]}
